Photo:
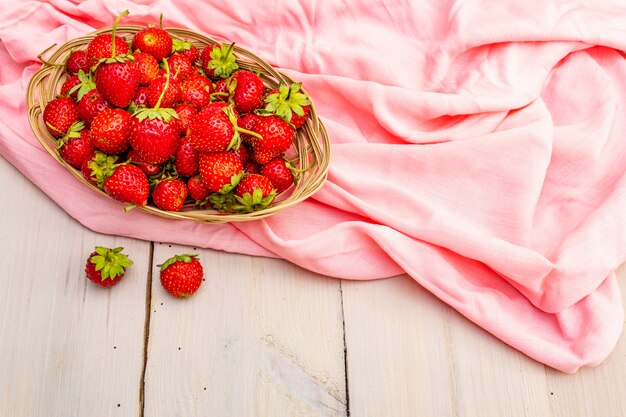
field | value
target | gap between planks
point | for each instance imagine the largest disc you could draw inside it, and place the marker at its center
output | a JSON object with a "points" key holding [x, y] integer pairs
{"points": [[146, 332]]}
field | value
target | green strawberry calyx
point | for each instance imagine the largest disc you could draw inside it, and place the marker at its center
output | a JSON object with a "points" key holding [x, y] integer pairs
{"points": [[86, 85], [72, 133], [110, 262], [287, 101], [223, 60], [102, 167], [157, 112], [185, 258], [180, 45], [234, 181], [254, 202]]}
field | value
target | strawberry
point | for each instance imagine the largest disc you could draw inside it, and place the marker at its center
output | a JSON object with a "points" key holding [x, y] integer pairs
{"points": [[249, 91], [68, 85], [147, 67], [172, 92], [170, 194], [181, 275], [156, 130], [117, 81], [128, 184], [77, 61], [154, 41], [106, 45], [196, 90], [221, 90], [242, 153], [149, 169], [215, 129], [277, 136], [197, 190], [110, 130], [90, 105], [180, 65], [254, 192], [106, 267], [280, 173], [186, 48], [186, 113], [220, 172], [289, 104], [76, 147], [218, 61], [251, 167], [59, 115], [98, 168], [186, 159], [248, 122]]}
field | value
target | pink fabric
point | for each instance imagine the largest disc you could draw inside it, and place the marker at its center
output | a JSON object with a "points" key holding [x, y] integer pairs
{"points": [[479, 146]]}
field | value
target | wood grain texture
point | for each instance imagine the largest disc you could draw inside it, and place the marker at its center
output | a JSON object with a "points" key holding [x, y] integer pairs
{"points": [[260, 337], [410, 354], [69, 348]]}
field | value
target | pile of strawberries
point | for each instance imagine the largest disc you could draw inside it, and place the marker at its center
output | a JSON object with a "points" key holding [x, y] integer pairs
{"points": [[161, 122]]}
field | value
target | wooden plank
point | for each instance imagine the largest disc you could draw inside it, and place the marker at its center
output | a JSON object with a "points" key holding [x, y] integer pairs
{"points": [[69, 348], [261, 337], [599, 391], [410, 354]]}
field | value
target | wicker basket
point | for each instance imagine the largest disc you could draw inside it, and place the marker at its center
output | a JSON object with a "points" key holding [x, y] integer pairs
{"points": [[311, 145]]}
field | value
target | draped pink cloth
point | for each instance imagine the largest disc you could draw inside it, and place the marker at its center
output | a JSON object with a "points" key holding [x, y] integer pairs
{"points": [[479, 146]]}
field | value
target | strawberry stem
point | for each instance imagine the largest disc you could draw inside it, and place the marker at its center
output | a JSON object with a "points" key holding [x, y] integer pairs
{"points": [[249, 132], [117, 21], [167, 84], [54, 64], [161, 21]]}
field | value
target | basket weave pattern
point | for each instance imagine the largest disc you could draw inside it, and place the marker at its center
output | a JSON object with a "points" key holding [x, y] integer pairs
{"points": [[311, 144]]}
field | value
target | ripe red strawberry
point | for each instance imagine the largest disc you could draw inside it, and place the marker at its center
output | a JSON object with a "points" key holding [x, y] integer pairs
{"points": [[90, 105], [170, 194], [154, 41], [251, 167], [220, 172], [213, 131], [147, 67], [197, 190], [128, 184], [140, 99], [59, 115], [156, 130], [172, 93], [68, 85], [289, 103], [218, 61], [221, 91], [254, 192], [186, 113], [196, 90], [77, 61], [75, 147], [280, 173], [249, 91], [110, 130], [107, 45], [106, 267], [277, 137], [248, 122], [186, 159], [180, 65], [181, 275], [186, 48], [242, 153], [117, 82], [149, 169]]}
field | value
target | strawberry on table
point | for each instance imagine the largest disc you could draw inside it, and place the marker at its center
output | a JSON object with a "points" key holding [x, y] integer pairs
{"points": [[181, 275], [110, 130], [170, 194], [59, 115], [106, 267]]}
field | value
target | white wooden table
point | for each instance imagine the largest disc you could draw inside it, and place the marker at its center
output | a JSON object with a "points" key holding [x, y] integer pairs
{"points": [[262, 337]]}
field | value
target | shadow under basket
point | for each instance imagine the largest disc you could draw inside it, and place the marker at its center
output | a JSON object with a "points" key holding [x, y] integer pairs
{"points": [[311, 146]]}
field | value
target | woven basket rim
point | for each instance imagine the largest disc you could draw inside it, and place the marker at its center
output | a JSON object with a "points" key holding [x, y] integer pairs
{"points": [[311, 143]]}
